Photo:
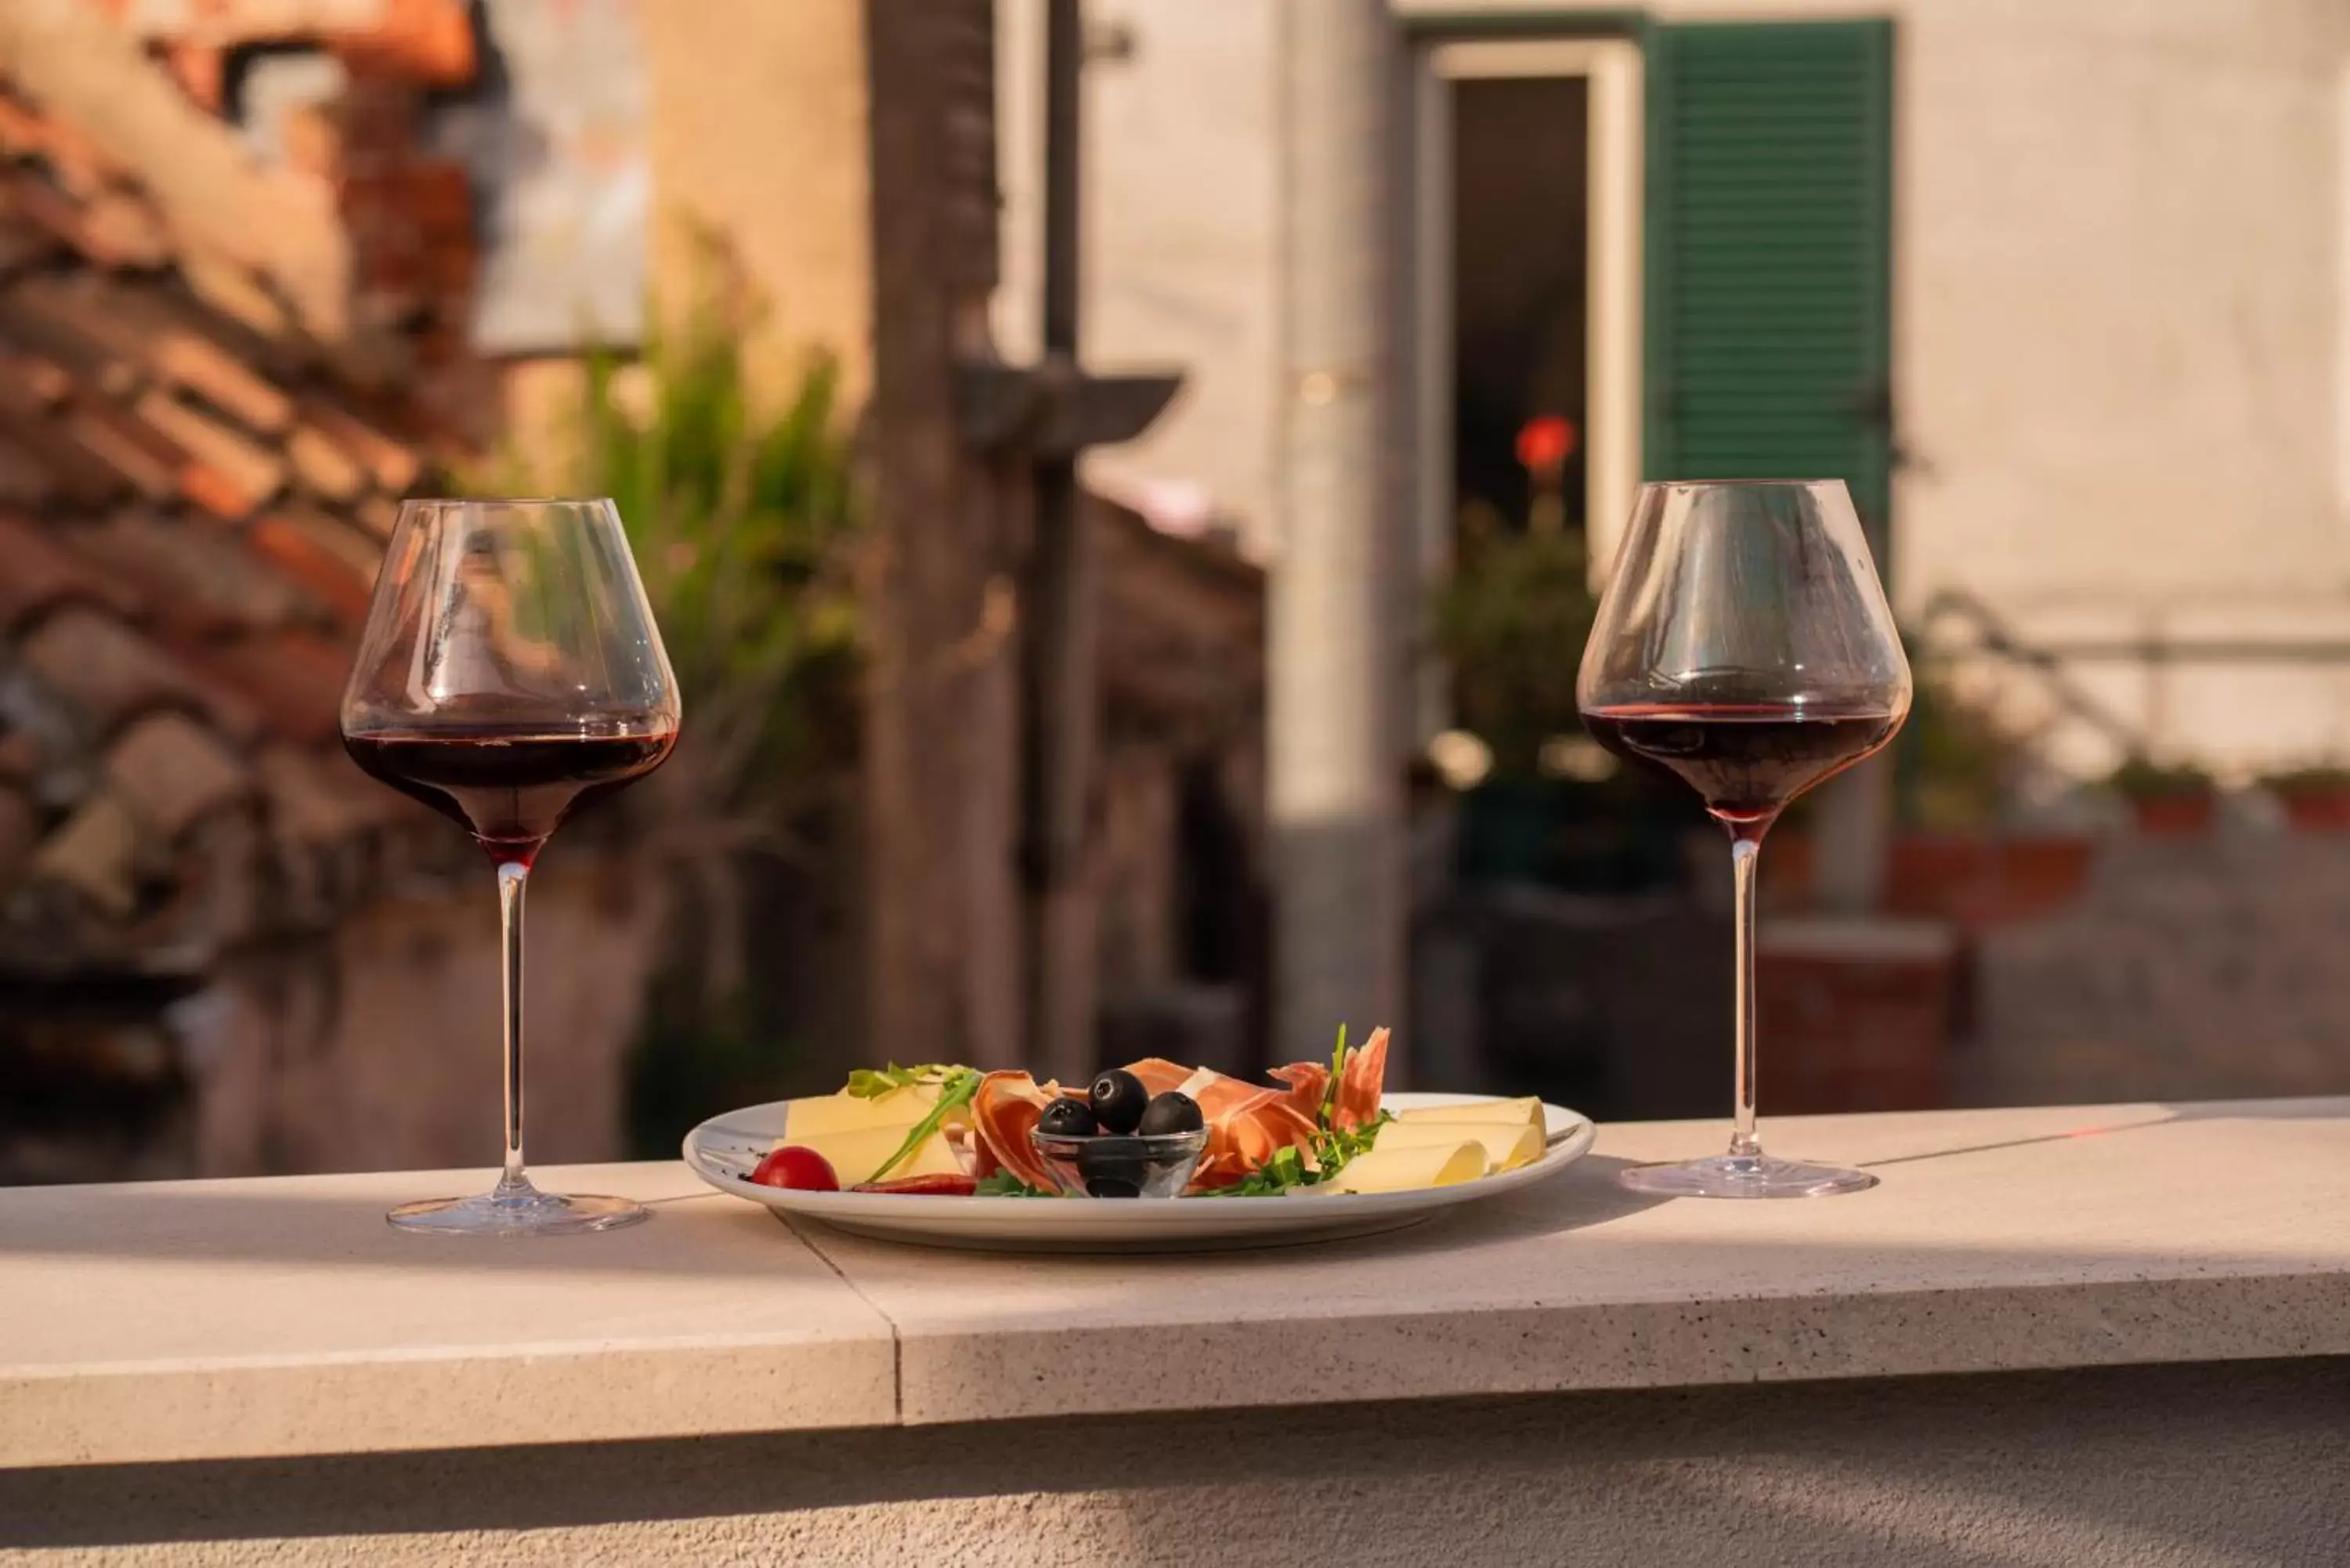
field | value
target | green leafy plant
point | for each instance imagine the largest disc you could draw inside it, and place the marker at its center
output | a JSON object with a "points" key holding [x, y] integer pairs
{"points": [[2141, 778], [1512, 621], [1956, 761], [740, 507]]}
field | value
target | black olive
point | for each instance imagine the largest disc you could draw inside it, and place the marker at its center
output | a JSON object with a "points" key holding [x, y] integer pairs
{"points": [[1112, 1168], [1118, 1101], [1172, 1112], [1067, 1117]]}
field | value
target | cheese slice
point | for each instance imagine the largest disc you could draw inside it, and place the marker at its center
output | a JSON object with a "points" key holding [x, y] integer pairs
{"points": [[844, 1112], [1527, 1111], [1385, 1170], [856, 1153], [1507, 1145]]}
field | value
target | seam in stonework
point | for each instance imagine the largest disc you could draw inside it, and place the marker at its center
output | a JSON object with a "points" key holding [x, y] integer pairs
{"points": [[896, 1341]]}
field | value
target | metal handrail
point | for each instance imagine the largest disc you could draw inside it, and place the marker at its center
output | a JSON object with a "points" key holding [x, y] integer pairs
{"points": [[1995, 637]]}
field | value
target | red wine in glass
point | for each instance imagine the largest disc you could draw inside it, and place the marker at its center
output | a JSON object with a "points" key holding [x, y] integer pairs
{"points": [[513, 788], [1745, 760], [1744, 647], [510, 674]]}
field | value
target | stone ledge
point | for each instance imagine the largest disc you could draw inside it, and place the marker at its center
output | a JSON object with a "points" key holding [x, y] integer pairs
{"points": [[214, 1320]]}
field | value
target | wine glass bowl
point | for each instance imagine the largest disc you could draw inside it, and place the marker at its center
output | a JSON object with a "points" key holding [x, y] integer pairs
{"points": [[1744, 646], [509, 674]]}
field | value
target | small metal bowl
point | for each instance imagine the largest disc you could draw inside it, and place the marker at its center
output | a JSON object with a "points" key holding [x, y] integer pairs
{"points": [[1115, 1165]]}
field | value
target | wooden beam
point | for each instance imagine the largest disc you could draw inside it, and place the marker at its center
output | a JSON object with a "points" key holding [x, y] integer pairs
{"points": [[942, 788]]}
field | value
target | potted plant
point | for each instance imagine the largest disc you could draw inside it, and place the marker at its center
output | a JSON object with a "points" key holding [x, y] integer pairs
{"points": [[2316, 799], [2167, 799], [1958, 763]]}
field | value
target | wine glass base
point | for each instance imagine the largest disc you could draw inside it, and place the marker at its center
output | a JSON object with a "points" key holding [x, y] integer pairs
{"points": [[1743, 1176], [518, 1210]]}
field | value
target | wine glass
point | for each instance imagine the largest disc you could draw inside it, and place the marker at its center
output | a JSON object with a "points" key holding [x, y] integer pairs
{"points": [[1743, 645], [509, 674]]}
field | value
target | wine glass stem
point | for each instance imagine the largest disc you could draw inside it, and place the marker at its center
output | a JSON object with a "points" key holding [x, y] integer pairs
{"points": [[512, 877], [1743, 852]]}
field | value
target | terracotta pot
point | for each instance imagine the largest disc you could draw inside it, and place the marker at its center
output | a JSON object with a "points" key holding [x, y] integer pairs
{"points": [[2316, 810], [2174, 815], [1986, 879]]}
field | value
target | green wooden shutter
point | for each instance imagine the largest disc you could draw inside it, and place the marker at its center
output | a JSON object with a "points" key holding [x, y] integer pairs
{"points": [[1769, 256]]}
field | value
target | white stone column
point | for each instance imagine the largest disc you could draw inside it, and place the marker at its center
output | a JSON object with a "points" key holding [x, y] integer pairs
{"points": [[1334, 675]]}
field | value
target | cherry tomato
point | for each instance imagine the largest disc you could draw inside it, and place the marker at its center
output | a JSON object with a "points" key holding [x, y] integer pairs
{"points": [[934, 1186], [793, 1166]]}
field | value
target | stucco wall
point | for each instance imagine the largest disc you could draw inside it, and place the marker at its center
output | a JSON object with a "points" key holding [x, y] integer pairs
{"points": [[2119, 335], [2136, 1467], [1182, 223], [759, 135], [381, 1053]]}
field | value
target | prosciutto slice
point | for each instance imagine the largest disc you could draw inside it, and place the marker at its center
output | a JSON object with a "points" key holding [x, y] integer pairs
{"points": [[1248, 1124], [1002, 1114], [1308, 1081], [1360, 1082], [1158, 1075]]}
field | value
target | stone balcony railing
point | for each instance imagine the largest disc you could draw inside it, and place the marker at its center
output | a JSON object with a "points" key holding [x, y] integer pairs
{"points": [[2052, 1337]]}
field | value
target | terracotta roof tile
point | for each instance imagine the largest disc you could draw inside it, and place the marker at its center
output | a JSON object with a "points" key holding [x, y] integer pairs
{"points": [[330, 560], [20, 757], [23, 248], [227, 365], [150, 465], [319, 797], [115, 229], [73, 474], [31, 385], [202, 441], [78, 165], [394, 464], [111, 674], [25, 480], [378, 514], [95, 854], [36, 574], [230, 287], [293, 678], [35, 328], [243, 473], [198, 580], [324, 469], [172, 770]]}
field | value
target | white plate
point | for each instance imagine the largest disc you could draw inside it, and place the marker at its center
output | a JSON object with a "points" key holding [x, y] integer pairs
{"points": [[724, 1150]]}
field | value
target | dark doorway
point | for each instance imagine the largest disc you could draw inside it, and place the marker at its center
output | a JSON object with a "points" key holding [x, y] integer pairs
{"points": [[1520, 291]]}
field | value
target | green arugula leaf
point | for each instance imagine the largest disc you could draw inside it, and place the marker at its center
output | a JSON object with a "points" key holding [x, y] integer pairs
{"points": [[1330, 1091], [1284, 1170], [871, 1084], [1332, 1149], [962, 1084], [1003, 1184]]}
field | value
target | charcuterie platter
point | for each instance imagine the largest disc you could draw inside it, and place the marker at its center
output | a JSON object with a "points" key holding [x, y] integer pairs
{"points": [[1154, 1157]]}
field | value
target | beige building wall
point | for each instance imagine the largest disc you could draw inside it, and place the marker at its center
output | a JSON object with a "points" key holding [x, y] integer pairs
{"points": [[1181, 208], [759, 138], [2121, 346]]}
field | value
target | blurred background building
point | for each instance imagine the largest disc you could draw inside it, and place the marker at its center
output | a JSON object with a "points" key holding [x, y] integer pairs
{"points": [[1185, 438]]}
